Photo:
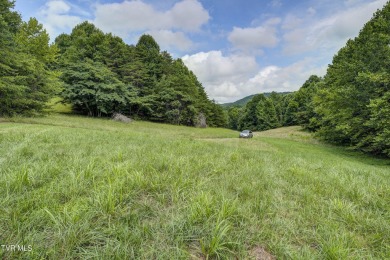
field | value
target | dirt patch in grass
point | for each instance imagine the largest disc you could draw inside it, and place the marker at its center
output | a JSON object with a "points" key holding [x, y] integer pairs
{"points": [[259, 253], [194, 251]]}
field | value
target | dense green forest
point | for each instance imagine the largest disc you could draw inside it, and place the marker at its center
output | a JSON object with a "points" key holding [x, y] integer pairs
{"points": [[103, 75], [272, 110], [27, 75], [97, 73], [349, 106], [352, 104]]}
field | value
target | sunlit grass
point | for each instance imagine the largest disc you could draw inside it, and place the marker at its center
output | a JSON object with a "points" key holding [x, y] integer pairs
{"points": [[75, 187], [55, 105]]}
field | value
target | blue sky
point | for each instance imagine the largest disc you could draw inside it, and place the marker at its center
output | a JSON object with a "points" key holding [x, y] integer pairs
{"points": [[236, 48]]}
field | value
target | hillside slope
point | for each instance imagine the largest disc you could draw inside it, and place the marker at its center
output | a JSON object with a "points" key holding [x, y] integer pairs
{"points": [[75, 187], [243, 101]]}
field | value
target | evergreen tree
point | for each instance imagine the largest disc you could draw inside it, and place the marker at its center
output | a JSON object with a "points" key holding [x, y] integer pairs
{"points": [[103, 75], [380, 123], [218, 117], [249, 118], [266, 115], [115, 54], [262, 113], [147, 53], [10, 89], [27, 80], [356, 86], [302, 104], [284, 103], [233, 117]]}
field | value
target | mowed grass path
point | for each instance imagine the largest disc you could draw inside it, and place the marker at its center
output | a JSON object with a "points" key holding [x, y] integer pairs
{"points": [[79, 188]]}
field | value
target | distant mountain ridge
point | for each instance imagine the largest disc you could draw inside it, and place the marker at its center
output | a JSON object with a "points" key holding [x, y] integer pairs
{"points": [[243, 101]]}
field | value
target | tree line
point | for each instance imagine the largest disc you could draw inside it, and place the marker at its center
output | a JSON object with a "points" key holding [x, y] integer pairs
{"points": [[349, 106], [269, 111], [27, 75], [100, 74], [97, 73]]}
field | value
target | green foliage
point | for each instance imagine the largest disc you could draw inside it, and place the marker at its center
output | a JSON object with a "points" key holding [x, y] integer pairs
{"points": [[380, 123], [266, 115], [249, 118], [33, 39], [233, 117], [350, 106], [216, 115], [355, 87], [301, 107], [103, 75], [27, 80], [263, 113], [94, 90], [215, 246]]}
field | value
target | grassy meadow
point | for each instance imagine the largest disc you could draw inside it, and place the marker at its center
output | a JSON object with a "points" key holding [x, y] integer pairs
{"points": [[82, 188]]}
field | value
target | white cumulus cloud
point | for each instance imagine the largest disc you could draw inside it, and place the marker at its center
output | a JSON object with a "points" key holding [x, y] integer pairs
{"points": [[284, 79], [329, 33], [169, 40], [222, 76], [229, 78], [132, 16], [56, 17], [253, 39]]}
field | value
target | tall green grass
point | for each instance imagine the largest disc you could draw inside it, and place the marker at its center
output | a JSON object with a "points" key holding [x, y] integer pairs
{"points": [[75, 187]]}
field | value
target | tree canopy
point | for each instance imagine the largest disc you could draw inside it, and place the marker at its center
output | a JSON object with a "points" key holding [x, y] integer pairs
{"points": [[353, 101], [103, 75], [97, 73], [27, 80], [260, 113]]}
